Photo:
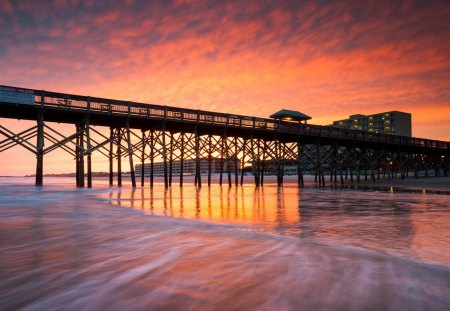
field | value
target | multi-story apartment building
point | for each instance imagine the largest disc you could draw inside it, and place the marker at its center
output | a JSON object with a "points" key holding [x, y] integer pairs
{"points": [[188, 166], [391, 122]]}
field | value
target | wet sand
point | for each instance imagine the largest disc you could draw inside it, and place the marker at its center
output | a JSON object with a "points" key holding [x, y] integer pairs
{"points": [[431, 184], [411, 183], [220, 248]]}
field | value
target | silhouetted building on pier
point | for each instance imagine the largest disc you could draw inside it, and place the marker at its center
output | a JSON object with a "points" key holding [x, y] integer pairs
{"points": [[290, 116]]}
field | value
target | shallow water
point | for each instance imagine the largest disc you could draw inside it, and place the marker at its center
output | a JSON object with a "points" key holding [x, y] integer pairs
{"points": [[220, 248]]}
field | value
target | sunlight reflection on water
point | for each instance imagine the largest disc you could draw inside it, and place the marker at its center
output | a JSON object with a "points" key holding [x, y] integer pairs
{"points": [[382, 221]]}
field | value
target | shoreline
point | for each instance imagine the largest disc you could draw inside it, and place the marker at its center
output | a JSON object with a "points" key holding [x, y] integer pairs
{"points": [[433, 184], [421, 184]]}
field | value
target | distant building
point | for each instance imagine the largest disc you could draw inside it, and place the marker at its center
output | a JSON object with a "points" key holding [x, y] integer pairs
{"points": [[289, 167], [391, 122], [188, 166]]}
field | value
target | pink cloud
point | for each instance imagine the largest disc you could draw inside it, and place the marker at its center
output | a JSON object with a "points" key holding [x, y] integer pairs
{"points": [[249, 58]]}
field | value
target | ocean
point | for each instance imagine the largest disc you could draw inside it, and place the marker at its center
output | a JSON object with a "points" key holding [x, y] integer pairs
{"points": [[220, 248]]}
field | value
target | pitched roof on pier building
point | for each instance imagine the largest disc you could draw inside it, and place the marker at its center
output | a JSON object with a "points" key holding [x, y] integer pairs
{"points": [[290, 115]]}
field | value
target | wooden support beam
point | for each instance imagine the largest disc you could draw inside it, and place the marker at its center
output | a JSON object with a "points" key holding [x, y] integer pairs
{"points": [[81, 156], [170, 159], [222, 151], [209, 159], [17, 139], [236, 164], [352, 163], [341, 163], [283, 159], [181, 159], [119, 156], [130, 155], [77, 158], [10, 143], [244, 143], [316, 163], [358, 167], [164, 147], [79, 151], [263, 164], [198, 177], [320, 171], [143, 158], [152, 156], [254, 161], [110, 158], [227, 156], [89, 151], [300, 181], [40, 150], [278, 161]]}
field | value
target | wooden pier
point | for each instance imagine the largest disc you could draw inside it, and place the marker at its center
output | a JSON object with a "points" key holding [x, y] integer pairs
{"points": [[145, 133]]}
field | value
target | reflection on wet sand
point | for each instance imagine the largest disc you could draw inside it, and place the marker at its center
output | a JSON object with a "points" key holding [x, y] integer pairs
{"points": [[222, 249], [382, 221], [249, 205]]}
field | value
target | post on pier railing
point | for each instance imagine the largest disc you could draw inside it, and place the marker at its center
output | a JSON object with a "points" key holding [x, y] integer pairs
{"points": [[88, 101], [42, 98]]}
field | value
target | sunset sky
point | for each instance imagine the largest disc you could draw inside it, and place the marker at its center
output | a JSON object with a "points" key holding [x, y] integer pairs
{"points": [[244, 57]]}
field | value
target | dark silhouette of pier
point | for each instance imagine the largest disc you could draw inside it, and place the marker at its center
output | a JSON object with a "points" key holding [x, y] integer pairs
{"points": [[149, 132]]}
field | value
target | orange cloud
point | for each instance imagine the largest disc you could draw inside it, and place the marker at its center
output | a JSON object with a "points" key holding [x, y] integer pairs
{"points": [[251, 57]]}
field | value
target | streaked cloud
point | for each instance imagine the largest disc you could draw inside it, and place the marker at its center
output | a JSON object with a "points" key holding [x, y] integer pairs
{"points": [[328, 60]]}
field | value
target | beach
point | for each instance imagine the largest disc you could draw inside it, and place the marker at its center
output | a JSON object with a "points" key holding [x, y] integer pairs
{"points": [[221, 248]]}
